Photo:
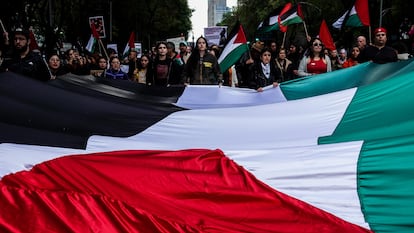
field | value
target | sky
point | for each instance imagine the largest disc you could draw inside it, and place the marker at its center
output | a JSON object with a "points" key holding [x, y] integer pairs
{"points": [[199, 18]]}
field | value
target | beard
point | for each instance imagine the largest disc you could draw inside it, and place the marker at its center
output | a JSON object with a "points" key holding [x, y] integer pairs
{"points": [[22, 49]]}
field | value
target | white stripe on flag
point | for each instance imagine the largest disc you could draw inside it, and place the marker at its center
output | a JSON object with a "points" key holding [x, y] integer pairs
{"points": [[228, 49], [203, 96]]}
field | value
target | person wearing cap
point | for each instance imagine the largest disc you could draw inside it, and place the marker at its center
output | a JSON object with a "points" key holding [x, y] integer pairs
{"points": [[23, 60], [379, 52], [183, 52]]}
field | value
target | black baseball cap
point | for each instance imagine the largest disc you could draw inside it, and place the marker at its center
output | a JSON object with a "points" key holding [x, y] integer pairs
{"points": [[22, 31]]}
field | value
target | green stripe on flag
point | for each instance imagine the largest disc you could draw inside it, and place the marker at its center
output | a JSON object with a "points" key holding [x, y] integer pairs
{"points": [[235, 54], [292, 19], [354, 21], [385, 184], [268, 28], [380, 114], [356, 76]]}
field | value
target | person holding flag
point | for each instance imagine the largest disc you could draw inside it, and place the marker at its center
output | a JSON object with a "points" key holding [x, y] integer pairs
{"points": [[233, 58]]}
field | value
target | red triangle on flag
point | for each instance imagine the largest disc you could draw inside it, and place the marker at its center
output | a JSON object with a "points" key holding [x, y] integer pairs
{"points": [[131, 41], [241, 37], [33, 43]]}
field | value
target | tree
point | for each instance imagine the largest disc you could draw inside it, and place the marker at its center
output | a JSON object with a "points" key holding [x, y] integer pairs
{"points": [[251, 12], [152, 20]]}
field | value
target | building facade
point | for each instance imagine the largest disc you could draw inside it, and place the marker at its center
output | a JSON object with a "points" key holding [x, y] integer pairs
{"points": [[216, 10]]}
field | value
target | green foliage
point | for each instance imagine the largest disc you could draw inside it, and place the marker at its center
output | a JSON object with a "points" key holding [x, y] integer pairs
{"points": [[252, 12], [151, 20]]}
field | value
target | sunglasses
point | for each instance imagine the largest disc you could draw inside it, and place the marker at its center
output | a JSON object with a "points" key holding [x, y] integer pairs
{"points": [[317, 44]]}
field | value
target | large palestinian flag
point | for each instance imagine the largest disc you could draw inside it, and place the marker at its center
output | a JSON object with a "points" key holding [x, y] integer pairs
{"points": [[328, 153]]}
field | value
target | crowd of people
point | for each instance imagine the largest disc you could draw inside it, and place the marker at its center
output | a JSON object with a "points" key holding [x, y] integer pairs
{"points": [[263, 65]]}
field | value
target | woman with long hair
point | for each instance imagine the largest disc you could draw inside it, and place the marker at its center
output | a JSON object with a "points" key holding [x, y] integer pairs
{"points": [[202, 67], [283, 66], [55, 66], [315, 62], [143, 71]]}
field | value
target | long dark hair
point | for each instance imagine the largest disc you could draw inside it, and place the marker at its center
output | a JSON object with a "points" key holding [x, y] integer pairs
{"points": [[195, 54], [310, 49], [149, 61], [158, 45]]}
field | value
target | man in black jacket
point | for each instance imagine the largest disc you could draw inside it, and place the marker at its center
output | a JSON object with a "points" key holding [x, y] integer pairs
{"points": [[24, 61], [379, 52]]}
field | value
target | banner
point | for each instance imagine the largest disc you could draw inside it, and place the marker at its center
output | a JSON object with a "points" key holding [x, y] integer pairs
{"points": [[98, 21], [216, 35]]}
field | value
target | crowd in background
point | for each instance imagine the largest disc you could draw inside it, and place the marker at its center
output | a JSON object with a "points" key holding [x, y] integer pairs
{"points": [[266, 63]]}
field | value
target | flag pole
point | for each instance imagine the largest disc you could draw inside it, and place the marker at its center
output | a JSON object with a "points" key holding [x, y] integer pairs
{"points": [[369, 33], [380, 19], [284, 39], [2, 26], [4, 31], [306, 30], [103, 47]]}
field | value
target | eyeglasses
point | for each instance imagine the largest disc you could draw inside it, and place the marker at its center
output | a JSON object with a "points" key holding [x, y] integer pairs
{"points": [[317, 44]]}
